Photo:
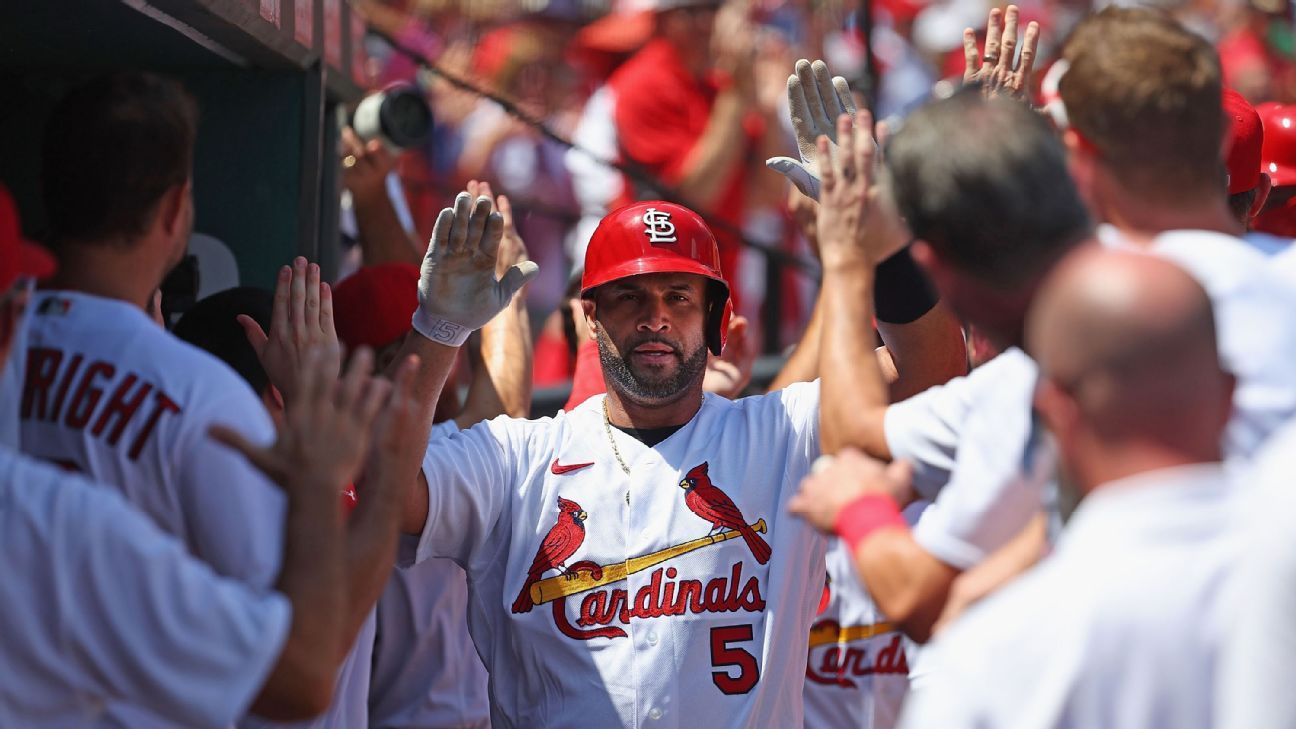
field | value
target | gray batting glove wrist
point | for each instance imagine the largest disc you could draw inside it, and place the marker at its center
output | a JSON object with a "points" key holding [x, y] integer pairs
{"points": [[457, 291], [815, 100]]}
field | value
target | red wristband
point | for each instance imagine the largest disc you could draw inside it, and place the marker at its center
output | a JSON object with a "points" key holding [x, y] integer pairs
{"points": [[865, 515]]}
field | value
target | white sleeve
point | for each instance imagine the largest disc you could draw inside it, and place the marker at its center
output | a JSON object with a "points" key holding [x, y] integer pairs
{"points": [[800, 402], [1259, 659], [926, 428], [120, 611], [234, 514], [997, 485], [470, 478]]}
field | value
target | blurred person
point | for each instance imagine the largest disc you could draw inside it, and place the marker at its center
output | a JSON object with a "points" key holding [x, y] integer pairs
{"points": [[972, 439], [1248, 185], [1142, 96], [700, 123], [1123, 625], [112, 395], [105, 610]]}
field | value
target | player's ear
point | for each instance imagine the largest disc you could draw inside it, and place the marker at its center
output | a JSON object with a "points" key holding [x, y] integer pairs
{"points": [[589, 308]]}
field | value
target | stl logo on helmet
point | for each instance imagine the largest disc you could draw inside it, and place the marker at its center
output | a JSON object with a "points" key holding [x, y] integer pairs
{"points": [[658, 226]]}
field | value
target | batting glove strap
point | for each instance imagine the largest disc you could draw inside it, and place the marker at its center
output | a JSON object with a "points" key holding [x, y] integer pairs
{"points": [[441, 331], [865, 515]]}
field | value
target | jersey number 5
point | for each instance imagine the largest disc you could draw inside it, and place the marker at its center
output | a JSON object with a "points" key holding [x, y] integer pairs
{"points": [[723, 655]]}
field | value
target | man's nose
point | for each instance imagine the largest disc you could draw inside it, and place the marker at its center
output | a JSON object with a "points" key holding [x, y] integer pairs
{"points": [[655, 316]]}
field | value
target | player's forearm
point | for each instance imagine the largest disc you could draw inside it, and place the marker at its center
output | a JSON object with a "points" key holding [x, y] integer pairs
{"points": [[371, 541], [927, 351], [853, 396], [382, 237], [435, 363], [501, 383], [314, 579], [711, 162], [908, 584], [803, 364]]}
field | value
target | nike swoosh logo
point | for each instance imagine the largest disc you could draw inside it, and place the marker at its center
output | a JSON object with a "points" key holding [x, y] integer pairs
{"points": [[559, 469]]}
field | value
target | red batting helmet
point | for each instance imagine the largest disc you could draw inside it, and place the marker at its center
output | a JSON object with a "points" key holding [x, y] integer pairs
{"points": [[660, 237], [1279, 156]]}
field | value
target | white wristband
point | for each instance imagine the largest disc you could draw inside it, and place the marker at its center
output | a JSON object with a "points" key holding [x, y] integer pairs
{"points": [[440, 330]]}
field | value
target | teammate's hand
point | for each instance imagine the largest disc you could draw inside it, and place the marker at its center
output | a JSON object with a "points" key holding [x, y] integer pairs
{"points": [[302, 319], [815, 101], [365, 166], [999, 72], [325, 437], [729, 374], [835, 481], [458, 290], [858, 222]]}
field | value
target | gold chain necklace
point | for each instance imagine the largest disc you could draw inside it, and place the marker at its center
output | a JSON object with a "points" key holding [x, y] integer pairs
{"points": [[607, 426]]}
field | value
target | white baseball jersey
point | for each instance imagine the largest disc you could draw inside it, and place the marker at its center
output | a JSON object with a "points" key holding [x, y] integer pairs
{"points": [[857, 671], [1259, 659], [680, 595], [978, 452], [110, 393], [978, 432], [99, 606], [1120, 628], [426, 672]]}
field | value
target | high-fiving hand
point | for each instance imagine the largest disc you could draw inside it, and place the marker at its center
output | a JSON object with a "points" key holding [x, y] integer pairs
{"points": [[302, 318], [858, 222], [999, 71], [458, 291], [815, 100]]}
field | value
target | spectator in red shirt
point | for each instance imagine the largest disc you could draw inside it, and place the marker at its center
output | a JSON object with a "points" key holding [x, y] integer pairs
{"points": [[685, 111]]}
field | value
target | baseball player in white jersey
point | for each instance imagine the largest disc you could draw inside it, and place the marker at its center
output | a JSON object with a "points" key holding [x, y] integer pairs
{"points": [[630, 562], [857, 671], [102, 609], [109, 393]]}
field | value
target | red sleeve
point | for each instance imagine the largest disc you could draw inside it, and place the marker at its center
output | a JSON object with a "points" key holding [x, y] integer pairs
{"points": [[658, 129]]}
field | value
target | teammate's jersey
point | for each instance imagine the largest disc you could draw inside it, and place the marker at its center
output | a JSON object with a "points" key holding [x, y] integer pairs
{"points": [[426, 672], [109, 393], [1120, 628], [857, 671], [600, 599], [975, 439], [99, 604]]}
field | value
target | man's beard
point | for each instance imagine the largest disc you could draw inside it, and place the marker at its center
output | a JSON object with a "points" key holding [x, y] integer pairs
{"points": [[645, 385]]}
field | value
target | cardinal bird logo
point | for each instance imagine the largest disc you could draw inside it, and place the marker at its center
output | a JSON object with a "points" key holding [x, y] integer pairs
{"points": [[562, 541], [709, 502]]}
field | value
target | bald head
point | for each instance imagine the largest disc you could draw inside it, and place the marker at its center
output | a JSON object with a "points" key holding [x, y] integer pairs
{"points": [[1126, 342]]}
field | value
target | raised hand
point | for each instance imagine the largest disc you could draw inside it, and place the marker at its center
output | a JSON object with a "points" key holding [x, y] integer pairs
{"points": [[999, 72], [302, 319], [815, 100], [365, 166], [458, 290], [729, 374], [858, 222], [325, 437]]}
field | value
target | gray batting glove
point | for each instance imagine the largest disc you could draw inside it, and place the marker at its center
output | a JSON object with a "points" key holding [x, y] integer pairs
{"points": [[457, 290], [815, 100]]}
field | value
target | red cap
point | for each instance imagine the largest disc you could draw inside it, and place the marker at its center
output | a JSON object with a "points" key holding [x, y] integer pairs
{"points": [[658, 237], [1246, 138], [1279, 155], [19, 256], [373, 306]]}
